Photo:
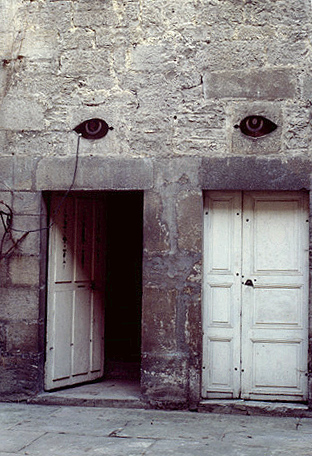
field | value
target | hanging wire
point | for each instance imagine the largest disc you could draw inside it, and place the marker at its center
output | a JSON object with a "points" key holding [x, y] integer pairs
{"points": [[6, 216], [56, 211]]}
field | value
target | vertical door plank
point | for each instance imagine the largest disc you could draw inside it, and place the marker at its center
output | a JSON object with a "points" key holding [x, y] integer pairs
{"points": [[275, 312], [221, 294], [75, 316]]}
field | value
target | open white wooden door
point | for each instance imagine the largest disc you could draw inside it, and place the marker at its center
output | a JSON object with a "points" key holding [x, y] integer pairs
{"points": [[255, 312], [75, 307]]}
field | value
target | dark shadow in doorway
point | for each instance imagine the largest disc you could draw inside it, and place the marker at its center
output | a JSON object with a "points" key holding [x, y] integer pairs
{"points": [[123, 302]]}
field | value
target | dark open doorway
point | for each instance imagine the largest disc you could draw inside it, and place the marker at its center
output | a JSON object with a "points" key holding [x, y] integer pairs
{"points": [[123, 284]]}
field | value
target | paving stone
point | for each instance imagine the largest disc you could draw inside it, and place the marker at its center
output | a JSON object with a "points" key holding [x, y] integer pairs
{"points": [[78, 445], [73, 431], [11, 442]]}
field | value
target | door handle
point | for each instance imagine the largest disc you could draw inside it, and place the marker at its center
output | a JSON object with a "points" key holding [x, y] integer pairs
{"points": [[249, 283]]}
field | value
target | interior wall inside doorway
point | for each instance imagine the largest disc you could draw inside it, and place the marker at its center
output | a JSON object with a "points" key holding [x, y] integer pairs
{"points": [[123, 284]]}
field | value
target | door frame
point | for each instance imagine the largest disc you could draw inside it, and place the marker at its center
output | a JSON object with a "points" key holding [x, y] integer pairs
{"points": [[204, 290], [44, 264]]}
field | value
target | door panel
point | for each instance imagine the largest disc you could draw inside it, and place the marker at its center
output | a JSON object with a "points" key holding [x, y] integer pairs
{"points": [[63, 232], [81, 331], [222, 290], [84, 240], [75, 314], [275, 313], [58, 321], [269, 299]]}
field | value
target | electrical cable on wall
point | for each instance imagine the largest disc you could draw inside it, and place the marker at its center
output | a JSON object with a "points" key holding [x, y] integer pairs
{"points": [[7, 215], [89, 129]]}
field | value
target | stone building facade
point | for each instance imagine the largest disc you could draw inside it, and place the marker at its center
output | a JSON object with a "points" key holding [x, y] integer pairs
{"points": [[172, 80]]}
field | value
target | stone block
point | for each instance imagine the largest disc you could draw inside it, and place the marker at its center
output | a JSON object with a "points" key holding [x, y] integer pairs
{"points": [[24, 171], [159, 320], [55, 173], [193, 329], [297, 127], [22, 337], [3, 136], [230, 13], [182, 171], [307, 87], [197, 127], [94, 15], [28, 147], [255, 173], [269, 144], [156, 231], [146, 141], [216, 145], [19, 375], [94, 173], [6, 166], [3, 337], [231, 55], [189, 219], [27, 230], [19, 304], [6, 197], [21, 113], [39, 43], [164, 379], [77, 38], [54, 15], [150, 58], [103, 37], [4, 275], [28, 203], [284, 12], [8, 12], [6, 40], [24, 270], [259, 84], [255, 32], [284, 52], [214, 114], [79, 63]]}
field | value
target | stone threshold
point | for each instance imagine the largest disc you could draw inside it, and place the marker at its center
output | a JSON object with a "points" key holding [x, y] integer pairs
{"points": [[244, 407], [109, 393]]}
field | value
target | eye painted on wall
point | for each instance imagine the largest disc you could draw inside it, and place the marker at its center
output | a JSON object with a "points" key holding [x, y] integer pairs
{"points": [[93, 129], [256, 126]]}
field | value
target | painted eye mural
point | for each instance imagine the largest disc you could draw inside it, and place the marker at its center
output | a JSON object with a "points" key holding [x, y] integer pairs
{"points": [[256, 126], [93, 129]]}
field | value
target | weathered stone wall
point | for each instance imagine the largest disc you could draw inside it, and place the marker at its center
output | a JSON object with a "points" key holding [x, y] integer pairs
{"points": [[172, 79]]}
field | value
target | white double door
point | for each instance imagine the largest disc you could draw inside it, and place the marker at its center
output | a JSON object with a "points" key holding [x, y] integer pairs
{"points": [[255, 295], [75, 307]]}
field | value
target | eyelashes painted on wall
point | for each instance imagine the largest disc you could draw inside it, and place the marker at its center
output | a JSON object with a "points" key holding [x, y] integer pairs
{"points": [[93, 129], [256, 126]]}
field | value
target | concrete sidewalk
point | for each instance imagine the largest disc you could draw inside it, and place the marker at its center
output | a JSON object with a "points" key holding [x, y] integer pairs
{"points": [[27, 429]]}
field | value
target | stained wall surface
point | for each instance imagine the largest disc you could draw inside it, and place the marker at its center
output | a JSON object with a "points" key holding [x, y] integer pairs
{"points": [[172, 79]]}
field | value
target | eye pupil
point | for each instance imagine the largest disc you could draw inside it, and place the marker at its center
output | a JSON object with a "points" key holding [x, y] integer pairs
{"points": [[256, 126], [93, 126]]}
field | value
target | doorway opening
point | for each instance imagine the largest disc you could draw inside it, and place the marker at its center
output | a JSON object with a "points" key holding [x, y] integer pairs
{"points": [[93, 329], [123, 285]]}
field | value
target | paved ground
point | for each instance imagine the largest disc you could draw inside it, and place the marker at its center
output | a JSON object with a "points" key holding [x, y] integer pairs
{"points": [[27, 429]]}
